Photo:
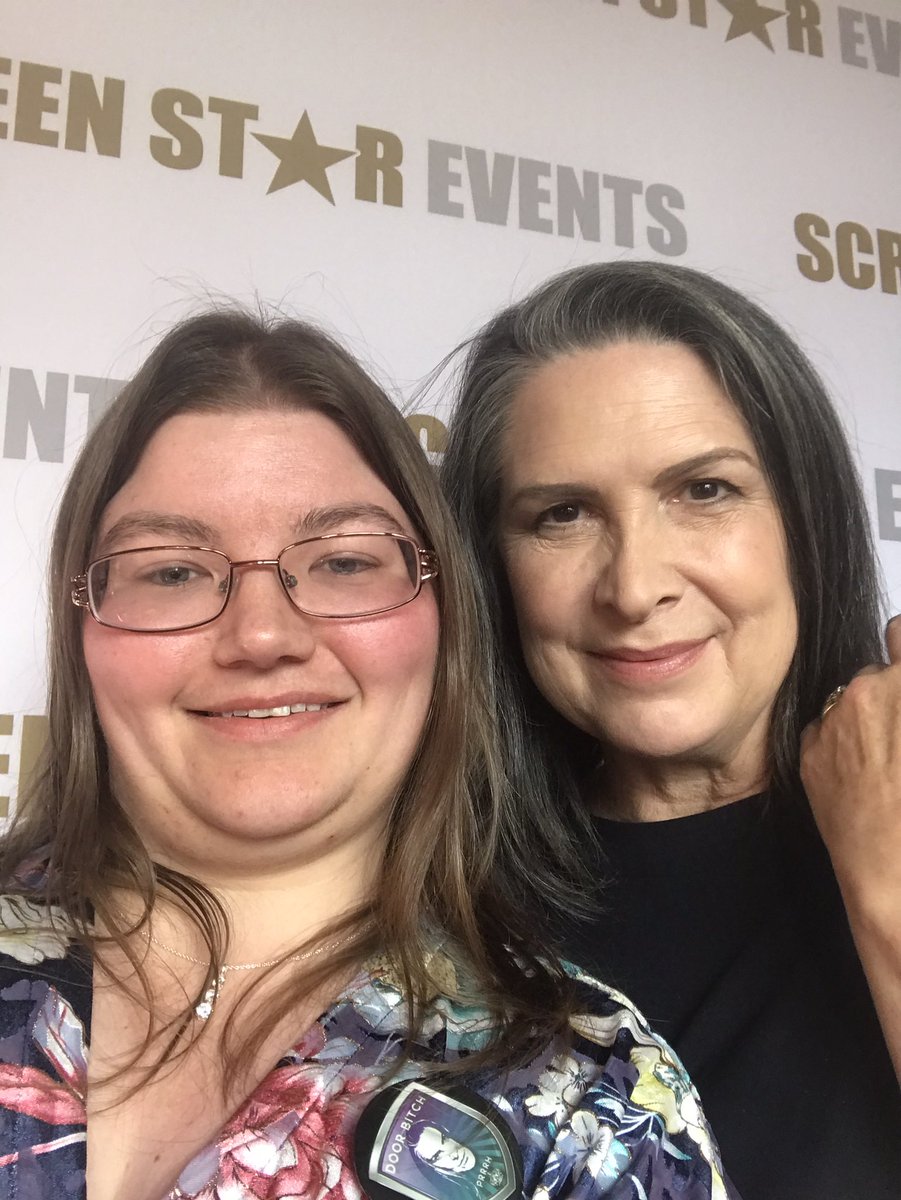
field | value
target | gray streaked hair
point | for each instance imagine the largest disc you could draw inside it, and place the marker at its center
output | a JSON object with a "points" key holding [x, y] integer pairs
{"points": [[798, 436]]}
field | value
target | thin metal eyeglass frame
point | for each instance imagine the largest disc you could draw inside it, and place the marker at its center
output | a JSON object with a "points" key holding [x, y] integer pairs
{"points": [[426, 561]]}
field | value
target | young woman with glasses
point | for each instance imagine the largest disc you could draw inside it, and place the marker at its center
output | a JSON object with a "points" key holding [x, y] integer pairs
{"points": [[266, 872]]}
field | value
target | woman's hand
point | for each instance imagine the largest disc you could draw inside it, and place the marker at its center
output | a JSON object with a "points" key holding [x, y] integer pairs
{"points": [[851, 769]]}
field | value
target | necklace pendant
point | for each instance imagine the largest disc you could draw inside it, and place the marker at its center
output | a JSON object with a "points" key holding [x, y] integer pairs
{"points": [[204, 1009]]}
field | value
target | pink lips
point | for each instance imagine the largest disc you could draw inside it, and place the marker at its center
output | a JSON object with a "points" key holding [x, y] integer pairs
{"points": [[261, 730], [224, 721], [284, 700], [660, 662]]}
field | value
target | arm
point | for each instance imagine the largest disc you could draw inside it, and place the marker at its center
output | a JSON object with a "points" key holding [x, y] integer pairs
{"points": [[851, 768]]}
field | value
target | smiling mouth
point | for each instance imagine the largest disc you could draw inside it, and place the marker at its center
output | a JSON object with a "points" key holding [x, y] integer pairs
{"points": [[284, 710], [658, 654], [649, 666]]}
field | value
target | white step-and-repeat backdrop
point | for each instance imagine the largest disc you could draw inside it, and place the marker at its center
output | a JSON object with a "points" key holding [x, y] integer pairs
{"points": [[397, 170]]}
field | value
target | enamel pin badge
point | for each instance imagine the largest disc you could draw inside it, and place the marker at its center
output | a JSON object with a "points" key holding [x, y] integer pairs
{"points": [[428, 1144]]}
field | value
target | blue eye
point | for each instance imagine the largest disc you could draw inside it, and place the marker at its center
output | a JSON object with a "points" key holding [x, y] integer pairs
{"points": [[174, 575], [347, 565], [170, 575]]}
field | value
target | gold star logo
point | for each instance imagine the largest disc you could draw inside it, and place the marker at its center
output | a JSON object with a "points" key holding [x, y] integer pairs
{"points": [[750, 16], [302, 159]]}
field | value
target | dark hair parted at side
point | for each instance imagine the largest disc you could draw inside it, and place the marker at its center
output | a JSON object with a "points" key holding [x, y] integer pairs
{"points": [[447, 826], [801, 443]]}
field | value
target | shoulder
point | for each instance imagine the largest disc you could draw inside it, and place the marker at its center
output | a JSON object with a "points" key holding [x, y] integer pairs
{"points": [[31, 930], [605, 1017], [36, 944], [603, 1111], [42, 969], [45, 1002], [607, 1028], [613, 1106]]}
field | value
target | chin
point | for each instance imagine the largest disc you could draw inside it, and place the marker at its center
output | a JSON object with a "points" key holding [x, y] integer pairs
{"points": [[661, 740], [258, 815], [261, 822]]}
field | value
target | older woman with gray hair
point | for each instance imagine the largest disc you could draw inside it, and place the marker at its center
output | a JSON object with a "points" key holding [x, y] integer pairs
{"points": [[674, 545]]}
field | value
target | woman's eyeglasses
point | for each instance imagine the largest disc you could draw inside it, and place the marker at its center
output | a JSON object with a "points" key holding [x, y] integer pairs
{"points": [[162, 589]]}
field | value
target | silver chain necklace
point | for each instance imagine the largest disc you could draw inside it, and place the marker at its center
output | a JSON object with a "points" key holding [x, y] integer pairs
{"points": [[203, 1011]]}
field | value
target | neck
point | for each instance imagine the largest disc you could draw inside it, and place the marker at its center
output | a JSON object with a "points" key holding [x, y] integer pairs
{"points": [[640, 789], [269, 912]]}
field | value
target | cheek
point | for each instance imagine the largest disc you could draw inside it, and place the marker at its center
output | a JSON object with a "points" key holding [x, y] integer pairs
{"points": [[784, 625], [751, 587], [752, 575], [545, 614], [107, 665], [541, 599], [129, 672], [400, 651]]}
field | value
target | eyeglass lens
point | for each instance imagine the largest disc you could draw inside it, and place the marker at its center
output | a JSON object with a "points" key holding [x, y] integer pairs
{"points": [[164, 588]]}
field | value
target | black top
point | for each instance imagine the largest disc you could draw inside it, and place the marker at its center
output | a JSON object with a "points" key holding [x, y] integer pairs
{"points": [[728, 930]]}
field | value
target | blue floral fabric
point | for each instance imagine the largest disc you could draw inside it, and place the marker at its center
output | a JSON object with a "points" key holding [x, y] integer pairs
{"points": [[608, 1111]]}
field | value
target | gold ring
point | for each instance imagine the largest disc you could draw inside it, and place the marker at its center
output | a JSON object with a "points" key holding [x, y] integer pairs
{"points": [[832, 699]]}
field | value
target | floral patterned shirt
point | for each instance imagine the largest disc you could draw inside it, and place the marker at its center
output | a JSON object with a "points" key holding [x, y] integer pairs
{"points": [[607, 1112]]}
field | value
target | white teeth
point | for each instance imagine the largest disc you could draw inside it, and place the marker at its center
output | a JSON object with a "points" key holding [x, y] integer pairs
{"points": [[283, 710]]}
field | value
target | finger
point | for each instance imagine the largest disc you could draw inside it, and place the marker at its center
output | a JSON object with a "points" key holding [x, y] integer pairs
{"points": [[871, 669], [893, 639], [808, 734]]}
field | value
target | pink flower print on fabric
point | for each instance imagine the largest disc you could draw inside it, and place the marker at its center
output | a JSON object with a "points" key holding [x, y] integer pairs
{"points": [[292, 1139]]}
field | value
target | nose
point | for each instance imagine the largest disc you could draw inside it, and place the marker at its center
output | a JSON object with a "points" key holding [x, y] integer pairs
{"points": [[638, 573], [260, 626]]}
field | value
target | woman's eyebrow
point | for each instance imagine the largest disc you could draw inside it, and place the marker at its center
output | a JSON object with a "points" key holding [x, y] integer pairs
{"points": [[324, 520], [165, 525], [704, 462], [189, 530], [551, 493], [562, 490]]}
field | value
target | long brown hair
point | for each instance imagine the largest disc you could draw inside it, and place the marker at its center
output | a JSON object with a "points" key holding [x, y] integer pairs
{"points": [[452, 819]]}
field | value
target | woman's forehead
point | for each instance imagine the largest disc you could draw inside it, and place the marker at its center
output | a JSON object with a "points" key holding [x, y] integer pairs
{"points": [[289, 468], [629, 403]]}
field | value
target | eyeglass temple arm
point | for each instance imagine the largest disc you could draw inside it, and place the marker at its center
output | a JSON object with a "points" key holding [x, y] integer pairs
{"points": [[428, 565], [79, 595]]}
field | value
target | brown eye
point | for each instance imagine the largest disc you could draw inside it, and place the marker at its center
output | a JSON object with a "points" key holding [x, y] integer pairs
{"points": [[560, 514], [708, 489]]}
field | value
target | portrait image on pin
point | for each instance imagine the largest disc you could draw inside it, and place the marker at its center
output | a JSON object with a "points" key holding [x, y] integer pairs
{"points": [[427, 1143]]}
